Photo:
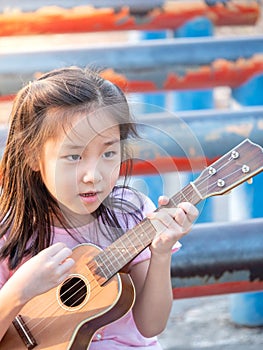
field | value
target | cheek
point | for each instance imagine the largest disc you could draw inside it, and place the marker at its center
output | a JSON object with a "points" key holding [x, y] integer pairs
{"points": [[49, 179], [111, 175], [114, 176], [57, 180]]}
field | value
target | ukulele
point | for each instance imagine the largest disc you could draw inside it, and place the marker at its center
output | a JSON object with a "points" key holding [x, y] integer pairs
{"points": [[96, 293]]}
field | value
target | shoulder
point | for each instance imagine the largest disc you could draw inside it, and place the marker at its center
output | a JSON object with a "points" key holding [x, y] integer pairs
{"points": [[137, 200], [130, 206]]}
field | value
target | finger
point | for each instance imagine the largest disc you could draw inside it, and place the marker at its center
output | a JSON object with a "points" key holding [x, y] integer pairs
{"points": [[63, 277], [163, 220], [190, 210], [53, 249], [174, 218], [62, 255], [180, 217], [163, 200], [65, 267], [171, 216], [183, 219]]}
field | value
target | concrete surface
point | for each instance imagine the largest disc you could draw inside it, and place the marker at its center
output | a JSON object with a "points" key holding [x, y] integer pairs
{"points": [[205, 323]]}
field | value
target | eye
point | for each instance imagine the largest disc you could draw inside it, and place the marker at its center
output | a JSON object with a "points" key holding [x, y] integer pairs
{"points": [[109, 154], [73, 157]]}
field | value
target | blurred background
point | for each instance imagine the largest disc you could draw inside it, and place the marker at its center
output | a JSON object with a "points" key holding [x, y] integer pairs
{"points": [[193, 75]]}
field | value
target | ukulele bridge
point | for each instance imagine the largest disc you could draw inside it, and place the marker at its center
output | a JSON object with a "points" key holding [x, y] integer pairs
{"points": [[24, 332]]}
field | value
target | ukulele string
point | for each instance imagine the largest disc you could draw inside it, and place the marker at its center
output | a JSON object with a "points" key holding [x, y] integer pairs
{"points": [[187, 192], [126, 248], [91, 292], [91, 279], [90, 274], [42, 320], [94, 295], [92, 266], [205, 178], [120, 250], [51, 305], [51, 322]]}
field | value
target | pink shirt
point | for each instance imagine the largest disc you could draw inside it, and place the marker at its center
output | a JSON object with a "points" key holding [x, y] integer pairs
{"points": [[123, 333]]}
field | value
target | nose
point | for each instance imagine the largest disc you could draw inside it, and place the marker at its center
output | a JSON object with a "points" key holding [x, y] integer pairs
{"points": [[92, 175]]}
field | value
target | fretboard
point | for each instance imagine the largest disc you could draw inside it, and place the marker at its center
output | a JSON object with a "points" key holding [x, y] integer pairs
{"points": [[135, 240]]}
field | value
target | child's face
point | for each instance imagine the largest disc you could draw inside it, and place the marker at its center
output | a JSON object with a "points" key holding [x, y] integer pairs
{"points": [[81, 167]]}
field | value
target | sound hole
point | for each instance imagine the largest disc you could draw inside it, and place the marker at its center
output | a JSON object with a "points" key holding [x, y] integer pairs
{"points": [[73, 292]]}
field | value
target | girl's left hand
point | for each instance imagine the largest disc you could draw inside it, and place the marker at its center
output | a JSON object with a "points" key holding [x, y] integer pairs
{"points": [[171, 224]]}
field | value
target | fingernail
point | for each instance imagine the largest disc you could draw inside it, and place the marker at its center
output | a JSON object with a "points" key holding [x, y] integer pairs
{"points": [[151, 215]]}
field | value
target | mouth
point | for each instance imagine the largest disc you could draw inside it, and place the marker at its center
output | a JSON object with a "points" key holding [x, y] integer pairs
{"points": [[88, 194], [89, 197]]}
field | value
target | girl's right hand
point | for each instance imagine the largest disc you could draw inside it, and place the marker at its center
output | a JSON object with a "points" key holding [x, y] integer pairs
{"points": [[43, 272]]}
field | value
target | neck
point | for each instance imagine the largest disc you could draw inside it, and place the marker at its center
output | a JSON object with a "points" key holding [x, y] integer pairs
{"points": [[70, 220]]}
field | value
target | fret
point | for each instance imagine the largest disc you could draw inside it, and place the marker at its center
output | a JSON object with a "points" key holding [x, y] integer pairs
{"points": [[109, 262], [140, 234], [102, 265], [131, 244], [196, 191], [120, 251], [125, 249], [184, 196], [188, 194], [135, 240]]}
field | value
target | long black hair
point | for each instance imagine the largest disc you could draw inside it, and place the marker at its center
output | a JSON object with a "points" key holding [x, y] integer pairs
{"points": [[27, 209]]}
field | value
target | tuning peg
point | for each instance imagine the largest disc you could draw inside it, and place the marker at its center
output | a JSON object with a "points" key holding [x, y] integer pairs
{"points": [[250, 181]]}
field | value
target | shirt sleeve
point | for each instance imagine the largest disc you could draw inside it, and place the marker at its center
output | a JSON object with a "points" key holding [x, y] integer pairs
{"points": [[143, 256]]}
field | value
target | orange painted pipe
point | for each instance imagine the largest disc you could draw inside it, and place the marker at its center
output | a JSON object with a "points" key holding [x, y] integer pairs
{"points": [[172, 15], [220, 258], [169, 164], [220, 73], [217, 289]]}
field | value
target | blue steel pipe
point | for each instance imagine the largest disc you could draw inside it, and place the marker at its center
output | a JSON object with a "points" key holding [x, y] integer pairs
{"points": [[139, 55], [218, 256], [134, 5], [205, 133], [209, 133], [175, 54]]}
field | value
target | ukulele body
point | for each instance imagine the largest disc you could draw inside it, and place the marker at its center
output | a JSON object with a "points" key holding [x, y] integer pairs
{"points": [[65, 318]]}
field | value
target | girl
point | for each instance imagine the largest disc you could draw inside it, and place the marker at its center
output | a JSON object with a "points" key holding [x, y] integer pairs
{"points": [[66, 144]]}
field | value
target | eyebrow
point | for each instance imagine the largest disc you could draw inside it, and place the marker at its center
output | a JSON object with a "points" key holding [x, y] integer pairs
{"points": [[111, 142], [74, 146]]}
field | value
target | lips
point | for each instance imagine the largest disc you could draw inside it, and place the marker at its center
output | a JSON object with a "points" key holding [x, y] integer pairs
{"points": [[89, 197]]}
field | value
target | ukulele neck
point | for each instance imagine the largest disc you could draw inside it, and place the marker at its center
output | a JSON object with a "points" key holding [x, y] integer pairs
{"points": [[135, 240]]}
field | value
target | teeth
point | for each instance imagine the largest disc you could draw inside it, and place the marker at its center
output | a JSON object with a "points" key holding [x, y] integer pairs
{"points": [[88, 194]]}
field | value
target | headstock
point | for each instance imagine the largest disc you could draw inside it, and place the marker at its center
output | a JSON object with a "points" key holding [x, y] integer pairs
{"points": [[238, 165]]}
